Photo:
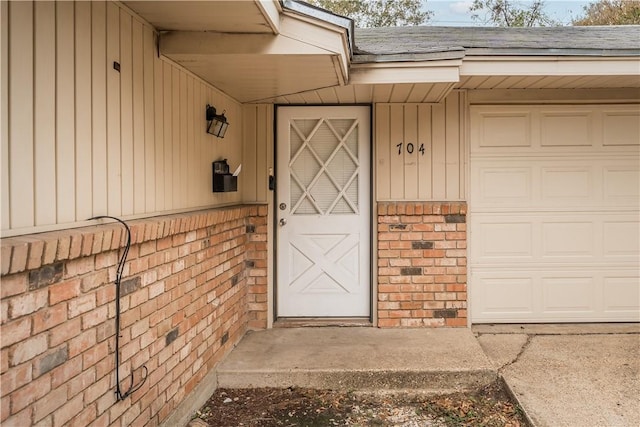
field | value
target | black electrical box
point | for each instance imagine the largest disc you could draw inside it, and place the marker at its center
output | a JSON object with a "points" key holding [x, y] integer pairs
{"points": [[223, 180]]}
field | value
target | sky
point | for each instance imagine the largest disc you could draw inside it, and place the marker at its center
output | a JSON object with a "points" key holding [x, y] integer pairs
{"points": [[456, 12]]}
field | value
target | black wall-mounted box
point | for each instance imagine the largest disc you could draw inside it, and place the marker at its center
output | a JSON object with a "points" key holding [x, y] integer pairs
{"points": [[223, 181]]}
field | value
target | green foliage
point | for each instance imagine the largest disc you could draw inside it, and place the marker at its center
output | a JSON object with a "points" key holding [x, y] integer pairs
{"points": [[378, 13], [506, 13], [610, 12]]}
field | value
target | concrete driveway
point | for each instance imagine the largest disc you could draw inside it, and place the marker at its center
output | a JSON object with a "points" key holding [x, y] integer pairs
{"points": [[569, 375]]}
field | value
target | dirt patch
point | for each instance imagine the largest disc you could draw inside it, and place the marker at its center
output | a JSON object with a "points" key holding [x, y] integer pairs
{"points": [[265, 407]]}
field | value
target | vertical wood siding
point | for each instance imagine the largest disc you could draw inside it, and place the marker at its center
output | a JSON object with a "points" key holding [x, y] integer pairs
{"points": [[420, 150], [81, 139], [258, 152]]}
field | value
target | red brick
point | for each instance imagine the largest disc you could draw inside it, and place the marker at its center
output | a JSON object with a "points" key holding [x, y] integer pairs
{"points": [[19, 256], [16, 331], [64, 245], [66, 372], [95, 354], [15, 378], [28, 349], [80, 266], [64, 291], [81, 305], [85, 417], [68, 411], [82, 343], [13, 284], [95, 317], [96, 389], [36, 250], [5, 407], [64, 332], [94, 280], [76, 245], [21, 419], [27, 304], [55, 399], [30, 393], [49, 317]]}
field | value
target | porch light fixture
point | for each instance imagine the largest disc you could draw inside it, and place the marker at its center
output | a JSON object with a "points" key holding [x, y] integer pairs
{"points": [[216, 123]]}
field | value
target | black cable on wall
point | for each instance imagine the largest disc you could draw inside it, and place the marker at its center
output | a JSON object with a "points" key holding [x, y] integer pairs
{"points": [[120, 395]]}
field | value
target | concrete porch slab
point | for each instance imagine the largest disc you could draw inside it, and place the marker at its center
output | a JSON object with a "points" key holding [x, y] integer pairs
{"points": [[358, 359]]}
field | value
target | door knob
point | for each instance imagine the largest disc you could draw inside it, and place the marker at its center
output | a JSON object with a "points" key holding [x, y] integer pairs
{"points": [[282, 222]]}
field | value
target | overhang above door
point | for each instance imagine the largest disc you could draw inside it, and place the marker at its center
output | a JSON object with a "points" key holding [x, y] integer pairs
{"points": [[253, 50]]}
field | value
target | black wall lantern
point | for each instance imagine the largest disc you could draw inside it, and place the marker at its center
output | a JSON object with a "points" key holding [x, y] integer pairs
{"points": [[216, 123]]}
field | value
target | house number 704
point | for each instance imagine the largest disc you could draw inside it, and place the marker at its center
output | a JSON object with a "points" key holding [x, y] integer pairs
{"points": [[410, 148]]}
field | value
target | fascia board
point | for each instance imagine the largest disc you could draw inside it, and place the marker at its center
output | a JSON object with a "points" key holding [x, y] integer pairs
{"points": [[321, 34], [406, 72], [271, 10], [549, 66]]}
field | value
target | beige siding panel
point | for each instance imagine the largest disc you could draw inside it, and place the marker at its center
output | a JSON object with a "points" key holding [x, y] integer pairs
{"points": [[204, 168], [5, 217], [114, 184], [410, 152], [149, 114], [452, 147], [420, 150], [65, 112], [139, 159], [126, 113], [193, 147], [168, 94], [127, 143], [396, 160], [263, 143], [382, 144], [424, 161], [257, 156], [84, 203], [250, 160], [45, 106], [174, 141], [99, 107], [159, 101], [182, 192], [438, 152], [21, 108]]}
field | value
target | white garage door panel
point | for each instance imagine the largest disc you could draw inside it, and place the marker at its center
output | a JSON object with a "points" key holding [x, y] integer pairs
{"points": [[559, 182], [556, 295], [554, 230], [517, 238]]}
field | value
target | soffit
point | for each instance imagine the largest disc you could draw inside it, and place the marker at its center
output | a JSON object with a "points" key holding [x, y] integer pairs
{"points": [[369, 94]]}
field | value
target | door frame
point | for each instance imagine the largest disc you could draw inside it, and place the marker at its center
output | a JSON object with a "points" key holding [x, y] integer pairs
{"points": [[372, 215]]}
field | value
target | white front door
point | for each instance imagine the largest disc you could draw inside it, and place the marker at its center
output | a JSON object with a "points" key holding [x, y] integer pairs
{"points": [[323, 212]]}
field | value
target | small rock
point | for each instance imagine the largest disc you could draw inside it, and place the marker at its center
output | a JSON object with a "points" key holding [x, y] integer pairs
{"points": [[227, 400]]}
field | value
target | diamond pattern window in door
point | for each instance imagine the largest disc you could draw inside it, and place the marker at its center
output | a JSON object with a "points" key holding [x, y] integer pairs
{"points": [[324, 167]]}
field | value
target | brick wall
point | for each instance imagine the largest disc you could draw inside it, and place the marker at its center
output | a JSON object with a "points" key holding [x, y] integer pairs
{"points": [[184, 303], [422, 264]]}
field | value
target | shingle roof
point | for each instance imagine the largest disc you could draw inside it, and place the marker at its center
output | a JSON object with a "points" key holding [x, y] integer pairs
{"points": [[373, 44]]}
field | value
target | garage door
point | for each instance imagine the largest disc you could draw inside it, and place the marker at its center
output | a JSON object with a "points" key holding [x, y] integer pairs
{"points": [[554, 229]]}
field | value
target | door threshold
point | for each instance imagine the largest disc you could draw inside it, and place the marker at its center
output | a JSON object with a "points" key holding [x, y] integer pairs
{"points": [[320, 322]]}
